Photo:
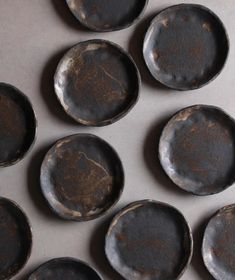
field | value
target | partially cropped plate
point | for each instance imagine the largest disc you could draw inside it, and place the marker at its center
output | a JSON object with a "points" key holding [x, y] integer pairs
{"points": [[97, 82], [15, 239], [64, 269], [186, 46], [17, 125], [197, 148], [149, 240], [218, 247], [107, 15], [81, 177]]}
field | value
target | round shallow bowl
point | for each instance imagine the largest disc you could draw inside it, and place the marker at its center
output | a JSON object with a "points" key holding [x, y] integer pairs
{"points": [[218, 247], [186, 46], [15, 239], [64, 269], [107, 15], [149, 240], [17, 125], [81, 177], [97, 83], [197, 149]]}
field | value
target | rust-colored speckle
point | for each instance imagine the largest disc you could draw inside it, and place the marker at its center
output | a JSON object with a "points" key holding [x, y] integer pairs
{"points": [[207, 26], [165, 22], [156, 55]]}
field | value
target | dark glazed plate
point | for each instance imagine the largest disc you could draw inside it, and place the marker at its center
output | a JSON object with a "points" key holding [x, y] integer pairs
{"points": [[81, 177], [197, 148], [107, 15], [17, 125], [15, 239], [149, 240], [186, 46], [97, 82], [218, 247], [64, 269]]}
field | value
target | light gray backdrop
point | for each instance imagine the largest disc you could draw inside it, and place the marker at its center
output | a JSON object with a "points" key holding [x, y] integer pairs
{"points": [[33, 36]]}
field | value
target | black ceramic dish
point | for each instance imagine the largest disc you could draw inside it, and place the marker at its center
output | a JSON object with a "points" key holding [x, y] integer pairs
{"points": [[197, 148], [17, 125], [81, 177], [218, 247], [15, 239], [107, 15], [97, 83], [65, 269], [186, 46], [149, 240]]}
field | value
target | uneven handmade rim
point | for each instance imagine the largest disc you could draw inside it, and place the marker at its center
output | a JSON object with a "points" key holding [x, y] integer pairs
{"points": [[161, 140], [35, 124], [198, 86], [64, 259], [19, 209], [119, 115], [97, 29], [203, 251], [106, 210], [134, 205]]}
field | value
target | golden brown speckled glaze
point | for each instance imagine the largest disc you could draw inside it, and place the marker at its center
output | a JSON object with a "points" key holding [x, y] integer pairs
{"points": [[81, 177]]}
